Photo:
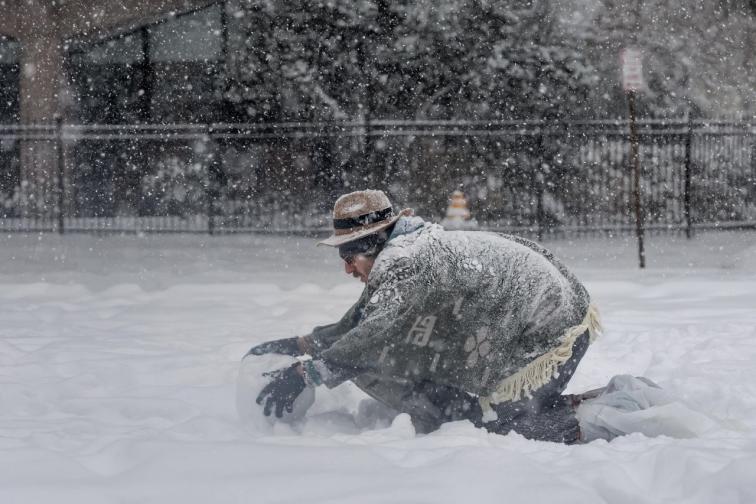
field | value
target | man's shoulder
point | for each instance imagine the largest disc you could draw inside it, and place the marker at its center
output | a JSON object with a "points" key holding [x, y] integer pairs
{"points": [[409, 241], [399, 258], [392, 264], [433, 239]]}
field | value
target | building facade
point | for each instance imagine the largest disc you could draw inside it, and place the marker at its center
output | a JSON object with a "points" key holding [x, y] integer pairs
{"points": [[100, 62]]}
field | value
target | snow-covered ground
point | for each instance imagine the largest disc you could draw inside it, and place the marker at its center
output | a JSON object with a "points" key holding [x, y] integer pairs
{"points": [[119, 357]]}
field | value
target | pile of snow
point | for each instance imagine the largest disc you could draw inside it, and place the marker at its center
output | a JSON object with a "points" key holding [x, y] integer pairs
{"points": [[119, 358]]}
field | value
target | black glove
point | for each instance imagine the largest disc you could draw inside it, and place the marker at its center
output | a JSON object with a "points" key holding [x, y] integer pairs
{"points": [[286, 346], [283, 390]]}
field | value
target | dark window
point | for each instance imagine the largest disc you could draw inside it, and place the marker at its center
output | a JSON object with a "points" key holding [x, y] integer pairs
{"points": [[165, 72], [185, 55], [9, 80], [109, 80], [162, 73], [10, 52]]}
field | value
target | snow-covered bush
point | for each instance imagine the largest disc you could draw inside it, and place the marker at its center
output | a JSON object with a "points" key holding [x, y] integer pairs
{"points": [[176, 187]]}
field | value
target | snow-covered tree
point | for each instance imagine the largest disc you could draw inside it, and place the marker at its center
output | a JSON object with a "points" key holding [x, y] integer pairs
{"points": [[698, 55], [315, 59]]}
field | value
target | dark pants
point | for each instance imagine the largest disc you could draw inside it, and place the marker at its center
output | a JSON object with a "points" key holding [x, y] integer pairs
{"points": [[546, 416]]}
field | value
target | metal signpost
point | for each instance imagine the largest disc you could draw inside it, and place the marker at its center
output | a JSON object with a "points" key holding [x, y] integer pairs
{"points": [[632, 81]]}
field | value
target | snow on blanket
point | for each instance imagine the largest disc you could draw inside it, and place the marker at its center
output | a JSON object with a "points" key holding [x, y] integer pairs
{"points": [[119, 358]]}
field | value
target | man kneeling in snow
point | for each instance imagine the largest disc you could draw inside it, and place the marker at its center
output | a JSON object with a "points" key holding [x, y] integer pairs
{"points": [[451, 325]]}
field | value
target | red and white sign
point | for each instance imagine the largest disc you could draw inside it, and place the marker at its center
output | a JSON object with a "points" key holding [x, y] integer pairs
{"points": [[631, 60]]}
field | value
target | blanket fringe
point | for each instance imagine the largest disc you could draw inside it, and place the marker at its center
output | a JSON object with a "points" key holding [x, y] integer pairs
{"points": [[540, 371]]}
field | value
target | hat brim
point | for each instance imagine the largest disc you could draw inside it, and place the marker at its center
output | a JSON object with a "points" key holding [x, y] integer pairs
{"points": [[338, 240]]}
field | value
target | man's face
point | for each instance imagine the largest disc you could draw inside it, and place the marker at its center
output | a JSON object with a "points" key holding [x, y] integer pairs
{"points": [[359, 266]]}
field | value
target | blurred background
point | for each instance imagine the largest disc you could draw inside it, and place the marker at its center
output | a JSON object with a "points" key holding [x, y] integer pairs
{"points": [[164, 165], [253, 116]]}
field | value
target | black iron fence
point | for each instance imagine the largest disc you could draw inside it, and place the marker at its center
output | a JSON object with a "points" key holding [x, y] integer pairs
{"points": [[532, 177]]}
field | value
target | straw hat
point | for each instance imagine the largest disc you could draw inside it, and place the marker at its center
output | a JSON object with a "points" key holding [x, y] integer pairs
{"points": [[359, 214]]}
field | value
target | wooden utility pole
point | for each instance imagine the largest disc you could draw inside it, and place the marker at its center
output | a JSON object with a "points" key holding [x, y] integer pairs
{"points": [[632, 82], [635, 163]]}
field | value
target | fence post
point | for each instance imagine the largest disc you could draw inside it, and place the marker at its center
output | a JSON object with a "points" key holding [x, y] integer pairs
{"points": [[686, 189], [636, 168], [210, 190], [60, 193]]}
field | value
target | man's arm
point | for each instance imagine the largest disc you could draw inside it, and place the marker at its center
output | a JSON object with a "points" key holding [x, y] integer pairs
{"points": [[346, 349], [389, 303], [285, 346], [323, 337], [320, 339]]}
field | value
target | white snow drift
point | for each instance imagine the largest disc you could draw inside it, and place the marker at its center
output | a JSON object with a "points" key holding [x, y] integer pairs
{"points": [[119, 358]]}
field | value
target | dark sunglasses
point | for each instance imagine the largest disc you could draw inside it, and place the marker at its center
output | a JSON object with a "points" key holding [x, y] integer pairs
{"points": [[347, 257]]}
